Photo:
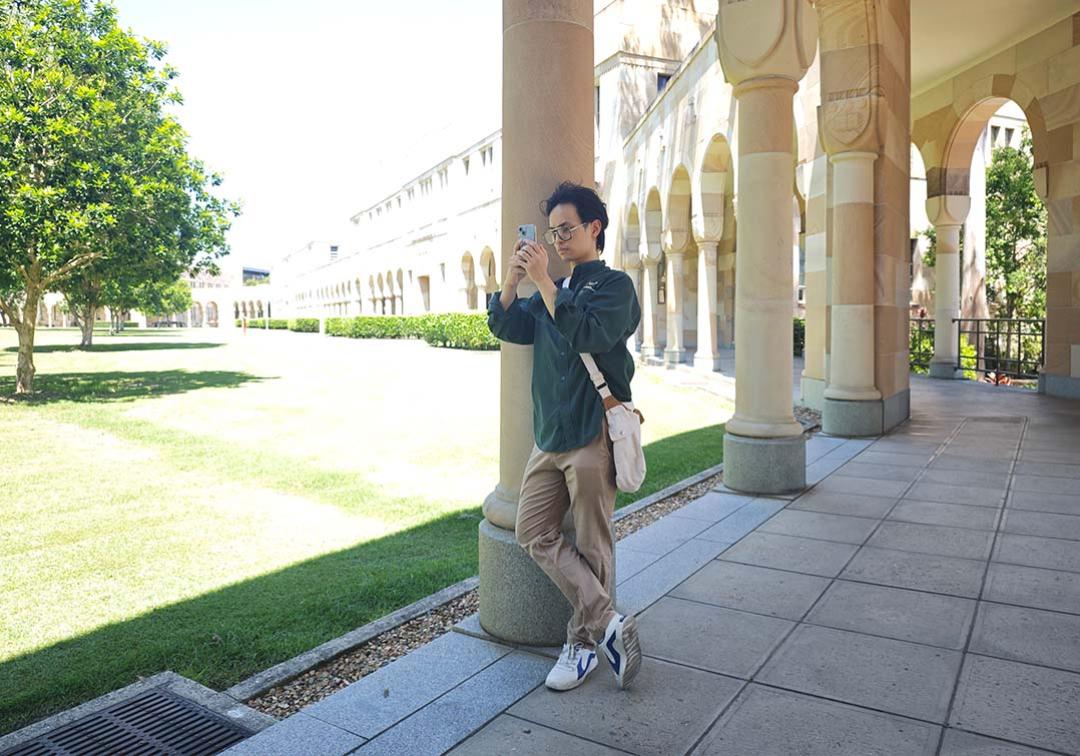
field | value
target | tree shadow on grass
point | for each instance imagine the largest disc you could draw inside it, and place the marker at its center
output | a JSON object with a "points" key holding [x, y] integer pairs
{"points": [[122, 386], [226, 635], [134, 346]]}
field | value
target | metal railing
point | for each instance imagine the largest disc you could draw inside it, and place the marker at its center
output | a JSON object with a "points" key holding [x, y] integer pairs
{"points": [[921, 343], [1010, 347]]}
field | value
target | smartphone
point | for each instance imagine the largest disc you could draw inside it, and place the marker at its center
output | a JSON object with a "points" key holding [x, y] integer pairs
{"points": [[528, 231]]}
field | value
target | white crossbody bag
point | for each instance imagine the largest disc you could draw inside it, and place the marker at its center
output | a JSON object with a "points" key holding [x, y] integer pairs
{"points": [[624, 428]]}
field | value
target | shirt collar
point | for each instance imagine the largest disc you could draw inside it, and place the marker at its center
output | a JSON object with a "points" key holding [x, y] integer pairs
{"points": [[586, 269]]}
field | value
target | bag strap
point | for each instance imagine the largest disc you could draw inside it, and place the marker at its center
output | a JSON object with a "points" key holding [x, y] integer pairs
{"points": [[597, 377]]}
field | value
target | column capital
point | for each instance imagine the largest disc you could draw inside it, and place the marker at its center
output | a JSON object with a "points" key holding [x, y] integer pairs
{"points": [[708, 250], [631, 260], [765, 38], [947, 209]]}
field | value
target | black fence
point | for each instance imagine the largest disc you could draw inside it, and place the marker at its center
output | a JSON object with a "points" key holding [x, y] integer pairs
{"points": [[1004, 348], [921, 343]]}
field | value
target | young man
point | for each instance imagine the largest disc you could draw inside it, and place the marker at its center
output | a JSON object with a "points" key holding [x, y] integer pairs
{"points": [[571, 465]]}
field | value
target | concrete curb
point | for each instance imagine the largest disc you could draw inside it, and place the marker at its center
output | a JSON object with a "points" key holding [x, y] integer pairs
{"points": [[281, 673]]}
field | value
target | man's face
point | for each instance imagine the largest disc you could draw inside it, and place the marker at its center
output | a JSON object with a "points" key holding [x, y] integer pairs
{"points": [[581, 246]]}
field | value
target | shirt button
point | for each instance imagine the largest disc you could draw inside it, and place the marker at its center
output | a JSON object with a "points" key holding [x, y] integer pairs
{"points": [[563, 378]]}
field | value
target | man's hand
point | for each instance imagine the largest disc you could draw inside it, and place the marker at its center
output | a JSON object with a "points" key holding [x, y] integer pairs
{"points": [[535, 259]]}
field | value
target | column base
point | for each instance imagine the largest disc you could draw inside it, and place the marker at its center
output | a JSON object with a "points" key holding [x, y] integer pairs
{"points": [[765, 465], [945, 370], [1059, 385], [709, 362], [852, 418], [675, 357], [651, 352], [518, 602], [812, 392]]}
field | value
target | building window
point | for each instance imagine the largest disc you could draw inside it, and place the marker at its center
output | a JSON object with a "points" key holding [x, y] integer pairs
{"points": [[1008, 137], [333, 251], [465, 162], [662, 82], [994, 131]]}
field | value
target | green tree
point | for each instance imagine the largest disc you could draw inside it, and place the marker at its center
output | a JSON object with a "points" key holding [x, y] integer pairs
{"points": [[97, 191], [1015, 234], [155, 298]]}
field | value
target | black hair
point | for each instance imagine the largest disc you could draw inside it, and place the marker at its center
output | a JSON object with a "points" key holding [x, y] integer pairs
{"points": [[586, 201]]}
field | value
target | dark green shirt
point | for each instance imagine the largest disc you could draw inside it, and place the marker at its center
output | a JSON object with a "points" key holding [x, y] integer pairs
{"points": [[597, 314]]}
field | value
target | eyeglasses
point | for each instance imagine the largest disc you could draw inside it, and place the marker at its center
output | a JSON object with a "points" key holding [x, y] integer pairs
{"points": [[562, 232]]}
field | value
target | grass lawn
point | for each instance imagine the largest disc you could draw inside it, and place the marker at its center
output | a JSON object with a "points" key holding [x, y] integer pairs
{"points": [[214, 504]]}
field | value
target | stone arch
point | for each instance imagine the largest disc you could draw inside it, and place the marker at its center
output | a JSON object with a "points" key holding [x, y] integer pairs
{"points": [[212, 314], [196, 315], [713, 190], [259, 308], [468, 271], [487, 267], [676, 232], [654, 223]]}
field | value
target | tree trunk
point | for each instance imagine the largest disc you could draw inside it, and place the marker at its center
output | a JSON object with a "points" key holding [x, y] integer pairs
{"points": [[24, 370], [86, 323]]}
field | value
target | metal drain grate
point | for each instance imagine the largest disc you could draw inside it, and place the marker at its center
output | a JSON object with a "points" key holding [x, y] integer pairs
{"points": [[156, 722]]}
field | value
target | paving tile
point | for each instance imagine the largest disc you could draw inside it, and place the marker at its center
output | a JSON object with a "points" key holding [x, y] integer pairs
{"points": [[937, 513], [895, 613], [889, 675], [753, 589], [732, 528], [710, 637], [977, 497], [664, 535], [960, 743], [450, 719], [1031, 586], [1022, 522], [664, 712], [817, 446], [375, 702], [1044, 502], [933, 539], [1028, 635], [665, 573], [629, 562], [920, 572], [863, 486], [856, 469], [1019, 702], [845, 504], [823, 468], [901, 445], [949, 461], [1046, 484], [713, 506], [510, 735], [1052, 457], [1033, 551], [782, 723], [828, 527], [906, 459], [285, 739], [980, 478], [1047, 468], [805, 555]]}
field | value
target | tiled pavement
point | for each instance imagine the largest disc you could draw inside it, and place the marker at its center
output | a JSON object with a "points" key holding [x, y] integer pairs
{"points": [[922, 597]]}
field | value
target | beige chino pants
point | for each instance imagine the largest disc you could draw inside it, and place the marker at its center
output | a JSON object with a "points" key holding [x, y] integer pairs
{"points": [[583, 482]]}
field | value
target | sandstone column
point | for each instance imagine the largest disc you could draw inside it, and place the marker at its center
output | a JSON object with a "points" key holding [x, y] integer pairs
{"points": [[947, 212], [707, 356], [650, 277], [765, 48], [852, 405], [547, 118], [675, 352], [632, 264]]}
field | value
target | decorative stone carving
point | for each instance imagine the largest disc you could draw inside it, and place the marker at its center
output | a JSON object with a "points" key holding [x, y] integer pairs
{"points": [[766, 38]]}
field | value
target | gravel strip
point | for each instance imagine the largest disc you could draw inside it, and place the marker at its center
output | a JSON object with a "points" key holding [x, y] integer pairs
{"points": [[338, 673]]}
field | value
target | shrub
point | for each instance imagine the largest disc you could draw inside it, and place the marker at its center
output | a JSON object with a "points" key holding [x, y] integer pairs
{"points": [[457, 331], [279, 324], [304, 325], [256, 323], [800, 335]]}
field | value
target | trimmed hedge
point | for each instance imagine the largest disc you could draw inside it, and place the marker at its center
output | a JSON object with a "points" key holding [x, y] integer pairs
{"points": [[304, 325], [452, 330]]}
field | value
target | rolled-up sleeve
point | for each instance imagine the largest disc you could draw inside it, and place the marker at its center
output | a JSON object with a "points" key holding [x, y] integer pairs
{"points": [[597, 323], [515, 324]]}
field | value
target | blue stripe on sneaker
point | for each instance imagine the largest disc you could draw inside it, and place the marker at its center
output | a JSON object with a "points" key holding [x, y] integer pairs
{"points": [[616, 660]]}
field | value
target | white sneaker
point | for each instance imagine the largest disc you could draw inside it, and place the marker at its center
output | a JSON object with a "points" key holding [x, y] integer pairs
{"points": [[574, 665], [622, 648]]}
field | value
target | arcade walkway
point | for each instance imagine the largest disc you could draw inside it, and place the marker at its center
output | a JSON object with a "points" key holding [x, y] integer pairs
{"points": [[922, 597]]}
